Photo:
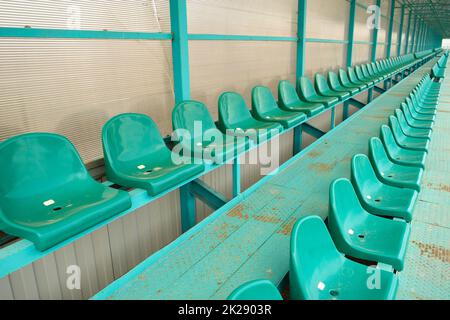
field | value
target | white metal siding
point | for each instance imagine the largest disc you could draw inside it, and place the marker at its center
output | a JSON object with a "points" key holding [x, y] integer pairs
{"points": [[112, 15]]}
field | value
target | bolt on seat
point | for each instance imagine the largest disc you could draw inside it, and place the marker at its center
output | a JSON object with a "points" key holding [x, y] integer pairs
{"points": [[235, 115], [266, 109], [391, 173], [137, 157], [262, 290], [379, 198], [307, 93], [324, 90], [47, 195], [398, 154], [198, 133], [362, 235], [318, 271], [290, 101], [409, 130], [417, 144]]}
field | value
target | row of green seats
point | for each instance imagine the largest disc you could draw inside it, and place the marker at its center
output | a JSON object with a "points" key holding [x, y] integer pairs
{"points": [[438, 70], [369, 215], [47, 195]]}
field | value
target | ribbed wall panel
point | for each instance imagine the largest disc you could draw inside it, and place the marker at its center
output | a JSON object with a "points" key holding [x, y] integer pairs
{"points": [[323, 57], [219, 66], [262, 17], [61, 86], [327, 19], [361, 53], [115, 15], [362, 32]]}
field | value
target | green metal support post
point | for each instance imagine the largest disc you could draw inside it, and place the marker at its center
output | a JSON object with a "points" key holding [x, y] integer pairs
{"points": [[400, 32], [301, 46], [374, 50], [413, 35], [408, 32], [351, 42]]}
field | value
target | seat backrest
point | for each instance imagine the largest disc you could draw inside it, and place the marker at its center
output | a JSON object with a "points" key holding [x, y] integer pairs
{"points": [[344, 211], [263, 100], [312, 250], [387, 137], [187, 113], [352, 75], [362, 170], [343, 76], [333, 81], [359, 73], [378, 155], [128, 137], [287, 94], [395, 126], [321, 83], [305, 88], [38, 162], [232, 110]]}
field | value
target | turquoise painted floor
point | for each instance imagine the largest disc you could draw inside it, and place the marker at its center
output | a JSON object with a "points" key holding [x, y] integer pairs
{"points": [[251, 241], [427, 266]]}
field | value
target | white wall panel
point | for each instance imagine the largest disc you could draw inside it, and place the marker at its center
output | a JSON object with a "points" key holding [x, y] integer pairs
{"points": [[262, 17], [115, 15], [327, 19], [63, 85], [219, 66]]}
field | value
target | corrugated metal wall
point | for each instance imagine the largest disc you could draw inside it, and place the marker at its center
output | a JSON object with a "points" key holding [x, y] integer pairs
{"points": [[61, 85]]}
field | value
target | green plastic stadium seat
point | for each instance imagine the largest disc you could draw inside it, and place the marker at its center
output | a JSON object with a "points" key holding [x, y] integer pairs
{"points": [[398, 154], [361, 77], [290, 101], [189, 116], [235, 115], [419, 116], [411, 131], [335, 85], [418, 144], [318, 271], [354, 79], [420, 108], [379, 198], [266, 109], [390, 173], [262, 290], [46, 193], [324, 90], [308, 93], [362, 235], [137, 157], [421, 124], [345, 81]]}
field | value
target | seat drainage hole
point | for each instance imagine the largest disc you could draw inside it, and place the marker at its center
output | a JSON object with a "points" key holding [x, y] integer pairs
{"points": [[390, 176], [148, 171], [378, 200], [57, 209], [334, 293], [361, 236]]}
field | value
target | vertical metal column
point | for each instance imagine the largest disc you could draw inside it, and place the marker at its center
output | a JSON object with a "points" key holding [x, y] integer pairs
{"points": [[180, 49], [408, 30], [391, 29], [413, 40], [351, 42], [400, 32], [301, 46]]}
